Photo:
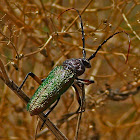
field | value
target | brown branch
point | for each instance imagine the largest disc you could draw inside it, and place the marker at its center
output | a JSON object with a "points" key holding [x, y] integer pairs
{"points": [[3, 75]]}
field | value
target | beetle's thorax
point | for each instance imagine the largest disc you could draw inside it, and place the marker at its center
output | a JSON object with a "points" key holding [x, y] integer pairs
{"points": [[77, 65]]}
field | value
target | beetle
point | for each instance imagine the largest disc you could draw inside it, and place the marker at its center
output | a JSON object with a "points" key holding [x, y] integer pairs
{"points": [[60, 79]]}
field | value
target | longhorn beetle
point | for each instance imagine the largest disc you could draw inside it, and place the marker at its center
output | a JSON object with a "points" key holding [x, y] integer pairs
{"points": [[61, 78]]}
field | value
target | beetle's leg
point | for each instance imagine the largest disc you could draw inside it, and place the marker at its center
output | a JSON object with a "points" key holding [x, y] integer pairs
{"points": [[49, 112], [82, 108], [81, 85], [38, 80], [52, 108], [85, 81], [66, 116], [78, 98]]}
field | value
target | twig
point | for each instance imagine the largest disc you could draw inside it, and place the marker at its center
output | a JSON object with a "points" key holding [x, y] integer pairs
{"points": [[128, 24], [47, 42], [4, 73], [78, 16]]}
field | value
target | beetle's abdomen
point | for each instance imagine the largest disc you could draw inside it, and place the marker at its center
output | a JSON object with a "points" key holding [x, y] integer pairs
{"points": [[57, 82]]}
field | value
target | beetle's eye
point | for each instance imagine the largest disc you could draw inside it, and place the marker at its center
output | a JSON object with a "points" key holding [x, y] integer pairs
{"points": [[86, 63]]}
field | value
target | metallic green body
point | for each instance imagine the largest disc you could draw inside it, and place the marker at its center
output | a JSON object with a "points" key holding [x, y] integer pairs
{"points": [[57, 82]]}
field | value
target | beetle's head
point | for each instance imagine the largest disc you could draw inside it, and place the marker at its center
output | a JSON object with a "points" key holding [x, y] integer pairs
{"points": [[86, 62], [77, 65]]}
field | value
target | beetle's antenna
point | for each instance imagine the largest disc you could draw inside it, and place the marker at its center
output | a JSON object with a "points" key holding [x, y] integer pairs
{"points": [[94, 54], [82, 28]]}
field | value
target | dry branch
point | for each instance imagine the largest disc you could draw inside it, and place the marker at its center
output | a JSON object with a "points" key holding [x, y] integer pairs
{"points": [[3, 75]]}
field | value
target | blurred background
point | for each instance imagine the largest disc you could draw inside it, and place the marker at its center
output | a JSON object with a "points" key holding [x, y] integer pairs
{"points": [[112, 111]]}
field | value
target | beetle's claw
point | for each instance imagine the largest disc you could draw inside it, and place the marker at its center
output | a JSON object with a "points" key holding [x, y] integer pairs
{"points": [[81, 111], [42, 124]]}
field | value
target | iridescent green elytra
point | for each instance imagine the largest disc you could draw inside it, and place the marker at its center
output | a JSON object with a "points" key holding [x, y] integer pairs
{"points": [[57, 82]]}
